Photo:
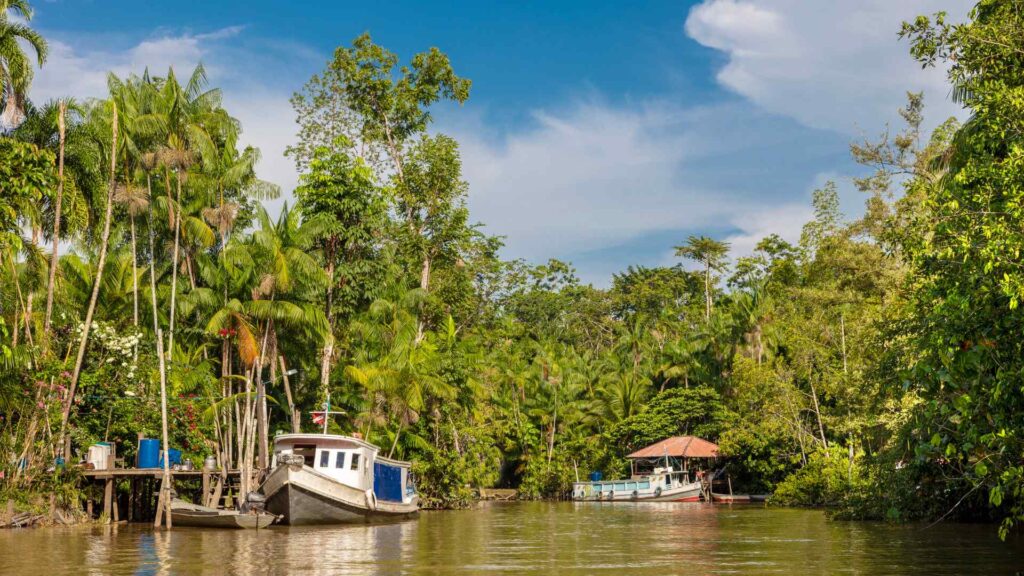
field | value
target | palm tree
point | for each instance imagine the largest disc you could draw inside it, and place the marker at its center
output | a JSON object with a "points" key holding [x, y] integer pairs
{"points": [[15, 64], [193, 118], [136, 201], [709, 252], [100, 114], [59, 204], [286, 270]]}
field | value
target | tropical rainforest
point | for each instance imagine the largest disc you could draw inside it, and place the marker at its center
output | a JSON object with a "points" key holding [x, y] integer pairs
{"points": [[875, 367]]}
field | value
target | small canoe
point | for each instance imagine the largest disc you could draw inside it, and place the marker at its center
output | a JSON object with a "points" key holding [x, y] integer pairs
{"points": [[730, 498], [187, 514]]}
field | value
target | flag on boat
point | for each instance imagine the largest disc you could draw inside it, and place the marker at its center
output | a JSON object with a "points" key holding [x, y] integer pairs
{"points": [[318, 417]]}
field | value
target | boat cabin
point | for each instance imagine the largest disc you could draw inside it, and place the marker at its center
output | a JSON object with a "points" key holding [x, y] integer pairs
{"points": [[350, 461]]}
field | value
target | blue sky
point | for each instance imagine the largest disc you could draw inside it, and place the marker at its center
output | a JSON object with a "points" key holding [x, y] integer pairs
{"points": [[596, 132]]}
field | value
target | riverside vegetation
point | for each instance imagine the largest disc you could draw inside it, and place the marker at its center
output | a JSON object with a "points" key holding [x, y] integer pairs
{"points": [[874, 367]]}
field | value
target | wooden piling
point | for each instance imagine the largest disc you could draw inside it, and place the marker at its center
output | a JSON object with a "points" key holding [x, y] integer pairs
{"points": [[108, 494]]}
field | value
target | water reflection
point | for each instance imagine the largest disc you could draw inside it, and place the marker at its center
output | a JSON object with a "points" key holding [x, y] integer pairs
{"points": [[530, 538]]}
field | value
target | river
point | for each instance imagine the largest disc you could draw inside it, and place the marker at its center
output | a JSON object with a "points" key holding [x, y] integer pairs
{"points": [[532, 538]]}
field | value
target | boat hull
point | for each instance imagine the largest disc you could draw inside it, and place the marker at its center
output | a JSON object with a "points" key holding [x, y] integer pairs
{"points": [[184, 514], [302, 496], [686, 493]]}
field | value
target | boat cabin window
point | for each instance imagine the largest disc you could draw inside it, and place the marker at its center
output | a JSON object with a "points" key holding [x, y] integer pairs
{"points": [[339, 462], [325, 458], [668, 480], [355, 461], [307, 451]]}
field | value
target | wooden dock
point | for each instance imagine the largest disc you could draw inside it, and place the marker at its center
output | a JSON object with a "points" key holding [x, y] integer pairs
{"points": [[136, 489], [501, 494]]}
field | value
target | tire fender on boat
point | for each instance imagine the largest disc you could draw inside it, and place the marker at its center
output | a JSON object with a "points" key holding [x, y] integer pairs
{"points": [[657, 492], [611, 495], [636, 494], [371, 499]]}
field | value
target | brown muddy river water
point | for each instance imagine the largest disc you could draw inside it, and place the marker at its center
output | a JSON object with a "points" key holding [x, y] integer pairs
{"points": [[532, 538]]}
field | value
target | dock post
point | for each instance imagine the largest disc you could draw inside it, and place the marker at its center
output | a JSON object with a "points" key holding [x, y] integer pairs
{"points": [[88, 508], [206, 488], [108, 492]]}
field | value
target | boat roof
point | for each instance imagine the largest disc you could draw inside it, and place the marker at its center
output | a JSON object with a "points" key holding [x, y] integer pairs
{"points": [[313, 438], [679, 447], [397, 463]]}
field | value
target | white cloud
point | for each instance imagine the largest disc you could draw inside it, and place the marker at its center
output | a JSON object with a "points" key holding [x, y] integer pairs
{"points": [[588, 177], [612, 185], [829, 64], [786, 221]]}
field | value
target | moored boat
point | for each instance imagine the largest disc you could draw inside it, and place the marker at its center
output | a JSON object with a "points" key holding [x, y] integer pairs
{"points": [[188, 514], [333, 479], [730, 498], [663, 485]]}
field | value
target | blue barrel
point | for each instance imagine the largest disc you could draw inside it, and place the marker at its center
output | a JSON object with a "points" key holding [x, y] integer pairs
{"points": [[596, 476], [149, 453], [175, 457]]}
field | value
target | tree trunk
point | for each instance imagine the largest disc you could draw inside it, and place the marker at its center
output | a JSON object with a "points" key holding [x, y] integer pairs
{"points": [[294, 415], [842, 328], [393, 444], [707, 292], [424, 285], [152, 276], [174, 269], [31, 294], [135, 277], [95, 287], [328, 351], [817, 412], [51, 282]]}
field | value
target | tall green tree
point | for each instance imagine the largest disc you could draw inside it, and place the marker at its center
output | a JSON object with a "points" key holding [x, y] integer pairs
{"points": [[711, 254], [15, 64], [967, 261]]}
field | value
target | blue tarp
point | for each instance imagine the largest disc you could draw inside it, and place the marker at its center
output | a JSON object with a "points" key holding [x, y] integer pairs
{"points": [[387, 482]]}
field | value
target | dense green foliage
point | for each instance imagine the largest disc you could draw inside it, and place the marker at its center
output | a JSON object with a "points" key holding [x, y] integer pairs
{"points": [[873, 366]]}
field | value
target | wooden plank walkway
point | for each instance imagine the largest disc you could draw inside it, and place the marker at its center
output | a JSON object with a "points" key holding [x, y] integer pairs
{"points": [[147, 472]]}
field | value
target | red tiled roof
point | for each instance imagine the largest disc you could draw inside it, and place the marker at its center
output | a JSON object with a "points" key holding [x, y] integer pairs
{"points": [[678, 447]]}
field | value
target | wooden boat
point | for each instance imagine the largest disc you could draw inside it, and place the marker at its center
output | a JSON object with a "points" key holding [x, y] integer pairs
{"points": [[188, 514], [333, 479], [730, 498], [738, 498], [663, 485]]}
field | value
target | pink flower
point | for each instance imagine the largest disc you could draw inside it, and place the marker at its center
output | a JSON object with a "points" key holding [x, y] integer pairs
{"points": [[40, 405], [40, 383], [65, 374]]}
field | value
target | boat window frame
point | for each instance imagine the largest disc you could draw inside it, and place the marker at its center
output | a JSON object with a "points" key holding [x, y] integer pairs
{"points": [[325, 459], [356, 461], [339, 460], [308, 453]]}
